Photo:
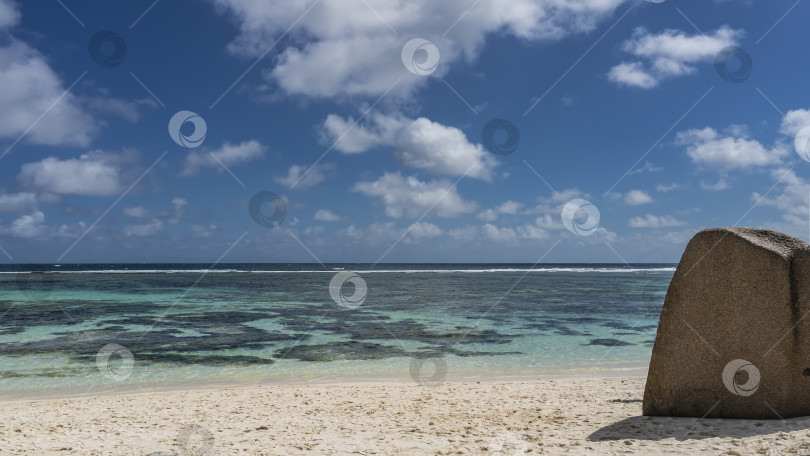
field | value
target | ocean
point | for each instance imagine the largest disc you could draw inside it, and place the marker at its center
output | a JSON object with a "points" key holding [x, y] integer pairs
{"points": [[94, 328]]}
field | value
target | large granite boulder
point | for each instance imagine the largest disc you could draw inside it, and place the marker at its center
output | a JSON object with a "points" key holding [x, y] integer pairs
{"points": [[733, 340]]}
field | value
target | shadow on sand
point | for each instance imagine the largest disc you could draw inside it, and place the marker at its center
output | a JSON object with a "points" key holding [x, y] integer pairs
{"points": [[660, 428]]}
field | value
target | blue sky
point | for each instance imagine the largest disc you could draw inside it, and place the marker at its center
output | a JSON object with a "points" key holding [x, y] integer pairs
{"points": [[377, 154]]}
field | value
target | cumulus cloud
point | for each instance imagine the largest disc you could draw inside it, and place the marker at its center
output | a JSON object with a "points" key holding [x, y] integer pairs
{"points": [[32, 225], [29, 226], [509, 207], [9, 14], [350, 136], [29, 87], [378, 233], [229, 155], [792, 203], [664, 188], [654, 221], [353, 48], [92, 174], [794, 121], [144, 229], [668, 54], [438, 149], [410, 197], [148, 223], [421, 144], [632, 74], [734, 150], [420, 231], [512, 235], [637, 197], [16, 203], [298, 176], [720, 185], [136, 212], [325, 215], [203, 231]]}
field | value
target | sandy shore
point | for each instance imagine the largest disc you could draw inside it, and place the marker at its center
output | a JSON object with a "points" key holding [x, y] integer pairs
{"points": [[563, 416]]}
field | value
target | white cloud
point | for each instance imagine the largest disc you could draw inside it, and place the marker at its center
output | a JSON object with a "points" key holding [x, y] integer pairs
{"points": [[420, 143], [664, 188], [229, 154], [136, 212], [410, 197], [710, 148], [378, 233], [632, 74], [668, 54], [509, 207], [721, 184], [654, 221], [29, 88], [296, 176], [145, 229], [465, 234], [347, 48], [29, 226], [92, 174], [325, 215], [32, 225], [106, 105], [504, 234], [792, 203], [646, 168], [510, 235], [203, 231], [9, 14], [637, 197], [549, 208], [422, 230], [156, 221], [351, 137], [15, 203], [794, 121], [439, 149]]}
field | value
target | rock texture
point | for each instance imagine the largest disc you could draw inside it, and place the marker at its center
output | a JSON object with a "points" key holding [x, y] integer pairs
{"points": [[733, 340]]}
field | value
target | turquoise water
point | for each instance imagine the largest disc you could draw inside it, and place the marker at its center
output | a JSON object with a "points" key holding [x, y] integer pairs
{"points": [[72, 329]]}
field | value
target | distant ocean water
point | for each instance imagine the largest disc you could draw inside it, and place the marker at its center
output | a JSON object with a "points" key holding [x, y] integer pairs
{"points": [[73, 329]]}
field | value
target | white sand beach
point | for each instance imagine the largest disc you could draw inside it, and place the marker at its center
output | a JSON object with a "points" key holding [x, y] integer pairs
{"points": [[561, 416]]}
